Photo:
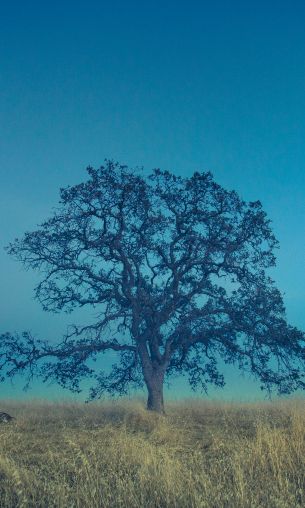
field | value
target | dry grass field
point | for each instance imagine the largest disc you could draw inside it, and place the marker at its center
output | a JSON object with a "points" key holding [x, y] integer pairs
{"points": [[201, 454]]}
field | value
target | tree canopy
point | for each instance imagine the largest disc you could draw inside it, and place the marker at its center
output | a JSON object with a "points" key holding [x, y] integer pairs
{"points": [[176, 272]]}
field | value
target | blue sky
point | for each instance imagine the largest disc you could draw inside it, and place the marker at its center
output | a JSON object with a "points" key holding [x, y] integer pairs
{"points": [[183, 86]]}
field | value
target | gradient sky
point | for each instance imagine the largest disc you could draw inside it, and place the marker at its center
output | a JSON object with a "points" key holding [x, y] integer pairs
{"points": [[183, 86]]}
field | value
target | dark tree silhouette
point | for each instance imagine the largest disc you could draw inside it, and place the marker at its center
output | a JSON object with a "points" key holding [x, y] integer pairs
{"points": [[175, 270]]}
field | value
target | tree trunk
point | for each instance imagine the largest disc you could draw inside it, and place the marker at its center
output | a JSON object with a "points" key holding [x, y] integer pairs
{"points": [[154, 385], [153, 374]]}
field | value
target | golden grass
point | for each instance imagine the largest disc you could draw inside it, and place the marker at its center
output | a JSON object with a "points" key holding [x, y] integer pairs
{"points": [[117, 454]]}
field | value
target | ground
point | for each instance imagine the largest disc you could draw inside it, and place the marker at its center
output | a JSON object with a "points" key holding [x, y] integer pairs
{"points": [[112, 455]]}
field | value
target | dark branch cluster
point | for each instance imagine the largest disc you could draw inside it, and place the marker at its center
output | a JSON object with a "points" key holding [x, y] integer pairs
{"points": [[175, 269]]}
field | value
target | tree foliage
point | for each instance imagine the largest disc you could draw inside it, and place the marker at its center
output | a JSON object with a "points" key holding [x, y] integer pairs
{"points": [[175, 270]]}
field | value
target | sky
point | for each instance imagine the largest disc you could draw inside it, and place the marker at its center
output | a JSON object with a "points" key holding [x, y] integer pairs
{"points": [[181, 86]]}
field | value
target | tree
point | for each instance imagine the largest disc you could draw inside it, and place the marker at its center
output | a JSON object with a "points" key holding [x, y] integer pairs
{"points": [[175, 269]]}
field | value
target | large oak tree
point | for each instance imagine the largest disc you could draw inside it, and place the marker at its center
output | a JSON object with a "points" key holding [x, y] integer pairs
{"points": [[175, 270]]}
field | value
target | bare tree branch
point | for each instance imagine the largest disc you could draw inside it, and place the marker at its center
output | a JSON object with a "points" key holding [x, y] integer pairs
{"points": [[175, 269]]}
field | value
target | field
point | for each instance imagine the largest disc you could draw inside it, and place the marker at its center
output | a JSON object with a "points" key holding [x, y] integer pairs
{"points": [[116, 454]]}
